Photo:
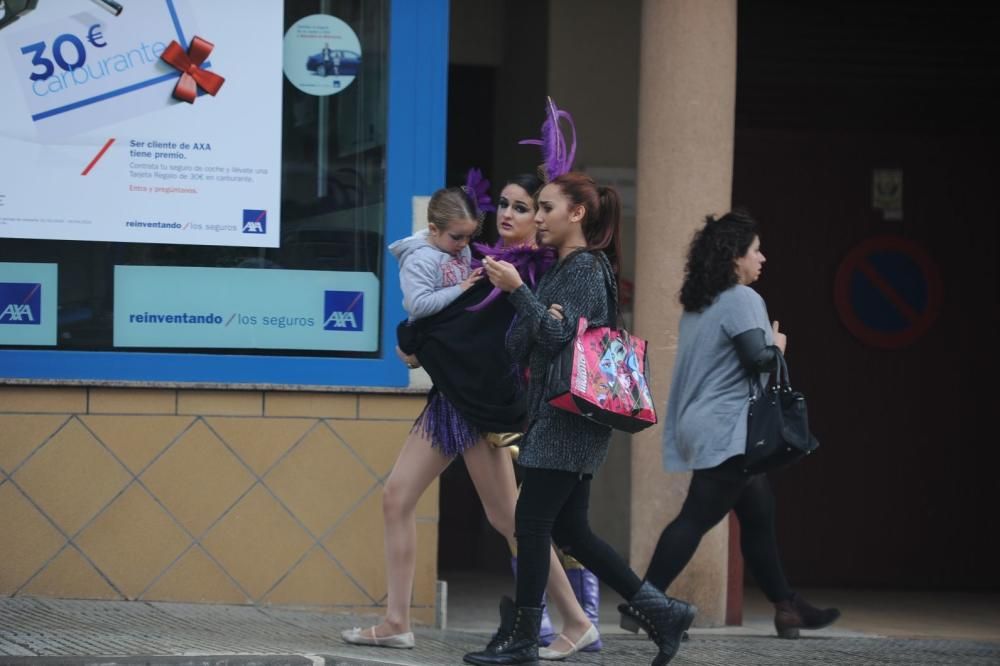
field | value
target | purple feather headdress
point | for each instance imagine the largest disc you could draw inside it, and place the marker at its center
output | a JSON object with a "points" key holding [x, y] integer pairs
{"points": [[557, 157], [477, 189], [530, 262]]}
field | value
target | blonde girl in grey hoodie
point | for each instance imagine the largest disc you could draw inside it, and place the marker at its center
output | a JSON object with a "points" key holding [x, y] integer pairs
{"points": [[434, 264]]}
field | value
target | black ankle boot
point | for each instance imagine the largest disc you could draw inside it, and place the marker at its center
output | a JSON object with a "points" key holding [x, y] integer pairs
{"points": [[797, 613], [516, 641], [663, 618]]}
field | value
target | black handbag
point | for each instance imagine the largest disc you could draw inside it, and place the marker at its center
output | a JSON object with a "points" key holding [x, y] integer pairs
{"points": [[778, 423]]}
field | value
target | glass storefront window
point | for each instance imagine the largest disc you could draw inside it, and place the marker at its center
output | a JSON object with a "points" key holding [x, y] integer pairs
{"points": [[333, 213]]}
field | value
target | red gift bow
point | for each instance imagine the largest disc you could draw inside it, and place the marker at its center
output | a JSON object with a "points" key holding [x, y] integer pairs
{"points": [[189, 64]]}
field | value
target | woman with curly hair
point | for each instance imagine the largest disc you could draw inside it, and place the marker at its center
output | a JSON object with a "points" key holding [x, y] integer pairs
{"points": [[725, 334]]}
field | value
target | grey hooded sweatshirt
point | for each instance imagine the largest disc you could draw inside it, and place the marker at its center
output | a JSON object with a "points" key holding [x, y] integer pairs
{"points": [[430, 278]]}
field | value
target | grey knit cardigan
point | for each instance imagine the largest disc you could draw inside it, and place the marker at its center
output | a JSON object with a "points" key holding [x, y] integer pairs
{"points": [[557, 439]]}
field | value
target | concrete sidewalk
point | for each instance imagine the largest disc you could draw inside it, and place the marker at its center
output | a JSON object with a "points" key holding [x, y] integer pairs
{"points": [[45, 631]]}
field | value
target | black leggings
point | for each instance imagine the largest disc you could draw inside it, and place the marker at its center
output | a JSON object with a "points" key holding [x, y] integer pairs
{"points": [[712, 494], [553, 506]]}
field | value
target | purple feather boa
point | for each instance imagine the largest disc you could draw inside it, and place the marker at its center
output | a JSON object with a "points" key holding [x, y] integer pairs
{"points": [[530, 262]]}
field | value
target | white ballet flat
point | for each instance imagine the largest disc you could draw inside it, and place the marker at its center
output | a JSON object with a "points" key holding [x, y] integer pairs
{"points": [[591, 636], [357, 636]]}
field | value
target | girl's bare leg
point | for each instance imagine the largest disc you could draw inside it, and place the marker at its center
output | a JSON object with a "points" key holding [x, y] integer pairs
{"points": [[415, 469]]}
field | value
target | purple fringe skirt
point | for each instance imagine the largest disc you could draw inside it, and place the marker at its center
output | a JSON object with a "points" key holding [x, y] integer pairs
{"points": [[447, 430]]}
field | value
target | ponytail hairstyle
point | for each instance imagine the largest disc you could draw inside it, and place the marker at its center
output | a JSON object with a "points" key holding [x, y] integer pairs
{"points": [[602, 220], [710, 267]]}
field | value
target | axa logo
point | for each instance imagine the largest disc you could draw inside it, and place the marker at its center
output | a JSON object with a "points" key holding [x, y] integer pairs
{"points": [[254, 221], [20, 303], [344, 311]]}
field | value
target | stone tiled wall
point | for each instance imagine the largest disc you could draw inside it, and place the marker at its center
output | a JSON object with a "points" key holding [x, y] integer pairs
{"points": [[247, 497]]}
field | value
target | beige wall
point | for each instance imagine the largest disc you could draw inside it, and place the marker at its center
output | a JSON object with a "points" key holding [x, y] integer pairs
{"points": [[244, 497], [594, 74], [686, 119]]}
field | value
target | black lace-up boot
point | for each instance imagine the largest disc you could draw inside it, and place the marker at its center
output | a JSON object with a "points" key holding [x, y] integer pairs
{"points": [[516, 641]]}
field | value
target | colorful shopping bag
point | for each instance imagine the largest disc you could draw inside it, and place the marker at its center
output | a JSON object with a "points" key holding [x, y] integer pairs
{"points": [[601, 375]]}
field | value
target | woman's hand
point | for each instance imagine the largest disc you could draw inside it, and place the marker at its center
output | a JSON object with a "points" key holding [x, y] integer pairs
{"points": [[780, 339], [502, 274], [474, 277], [556, 312], [409, 359]]}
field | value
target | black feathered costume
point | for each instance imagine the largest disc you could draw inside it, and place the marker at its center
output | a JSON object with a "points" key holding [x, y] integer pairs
{"points": [[477, 389]]}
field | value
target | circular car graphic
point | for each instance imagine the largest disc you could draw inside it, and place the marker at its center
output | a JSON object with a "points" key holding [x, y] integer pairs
{"points": [[322, 55]]}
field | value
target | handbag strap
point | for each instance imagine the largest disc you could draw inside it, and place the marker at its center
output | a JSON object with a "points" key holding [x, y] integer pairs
{"points": [[780, 374], [614, 306], [785, 380]]}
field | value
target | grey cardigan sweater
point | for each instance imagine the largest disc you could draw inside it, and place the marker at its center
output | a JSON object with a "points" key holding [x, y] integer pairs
{"points": [[557, 439]]}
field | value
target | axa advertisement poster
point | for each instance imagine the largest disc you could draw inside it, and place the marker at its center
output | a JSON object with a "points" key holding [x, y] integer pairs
{"points": [[245, 308], [147, 121]]}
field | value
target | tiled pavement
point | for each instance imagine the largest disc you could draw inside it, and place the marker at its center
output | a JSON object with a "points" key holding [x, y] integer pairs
{"points": [[43, 631]]}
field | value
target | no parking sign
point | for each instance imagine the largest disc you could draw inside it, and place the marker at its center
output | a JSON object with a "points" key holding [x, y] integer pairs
{"points": [[888, 292]]}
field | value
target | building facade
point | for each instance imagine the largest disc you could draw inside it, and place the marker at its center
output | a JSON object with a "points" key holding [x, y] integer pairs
{"points": [[160, 468]]}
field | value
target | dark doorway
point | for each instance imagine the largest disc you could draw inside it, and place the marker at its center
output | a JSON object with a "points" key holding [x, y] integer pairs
{"points": [[901, 492]]}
